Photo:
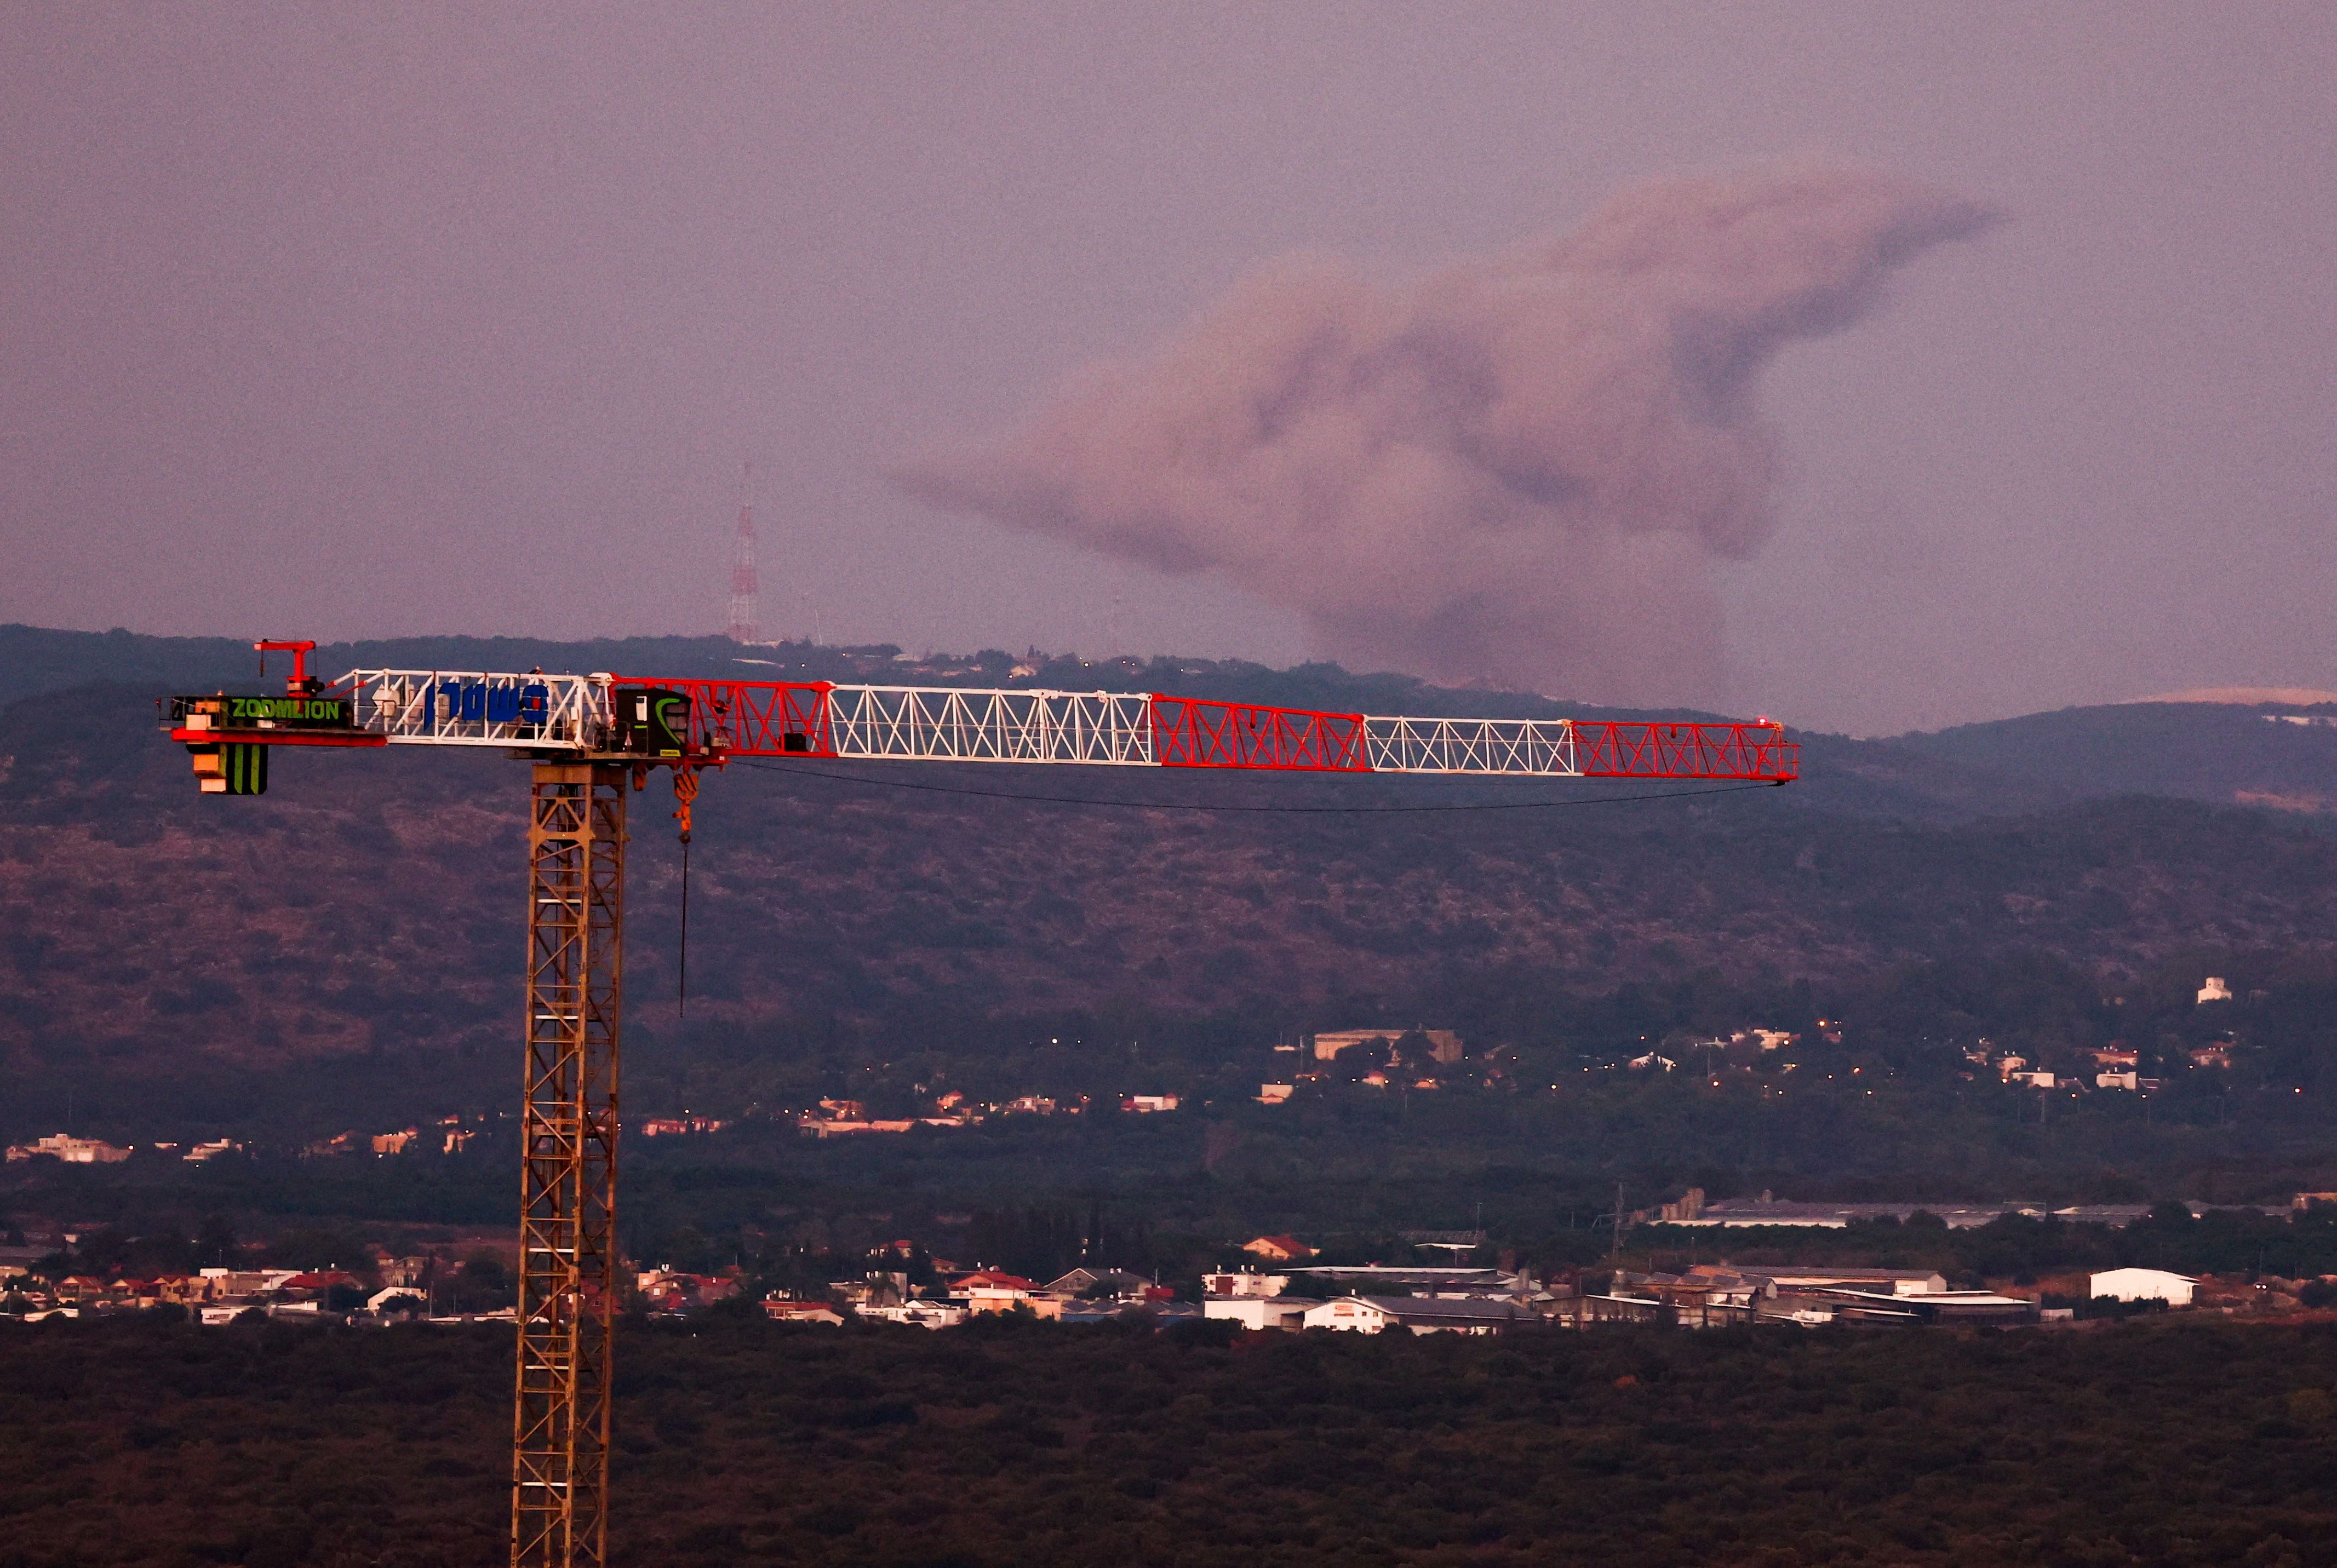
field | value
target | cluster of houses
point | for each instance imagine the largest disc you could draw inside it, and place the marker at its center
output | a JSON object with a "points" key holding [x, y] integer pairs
{"points": [[1082, 1295], [1363, 1298], [1415, 1058], [447, 1135], [216, 1296], [1434, 1301], [1372, 1301], [842, 1118], [73, 1151], [1375, 1299], [1742, 1050], [681, 1126], [2117, 1065], [1693, 1210]]}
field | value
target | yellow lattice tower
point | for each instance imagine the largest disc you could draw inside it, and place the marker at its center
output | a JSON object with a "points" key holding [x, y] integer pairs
{"points": [[567, 1245]]}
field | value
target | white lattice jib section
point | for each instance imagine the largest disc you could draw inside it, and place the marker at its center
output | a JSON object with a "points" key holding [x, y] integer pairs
{"points": [[941, 724], [1531, 747], [479, 707]]}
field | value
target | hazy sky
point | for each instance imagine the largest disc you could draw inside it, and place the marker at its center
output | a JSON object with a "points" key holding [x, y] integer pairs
{"points": [[358, 321]]}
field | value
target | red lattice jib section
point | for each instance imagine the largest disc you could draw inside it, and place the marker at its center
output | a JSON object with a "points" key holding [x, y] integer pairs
{"points": [[755, 718], [1189, 733], [1703, 751]]}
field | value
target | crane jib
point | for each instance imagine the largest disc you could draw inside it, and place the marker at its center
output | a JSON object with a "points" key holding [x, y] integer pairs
{"points": [[951, 724], [692, 723]]}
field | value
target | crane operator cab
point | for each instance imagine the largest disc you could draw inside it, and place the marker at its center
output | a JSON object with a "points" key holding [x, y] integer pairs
{"points": [[650, 723]]}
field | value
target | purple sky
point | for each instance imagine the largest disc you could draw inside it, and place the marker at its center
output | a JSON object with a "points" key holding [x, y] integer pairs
{"points": [[365, 321]]}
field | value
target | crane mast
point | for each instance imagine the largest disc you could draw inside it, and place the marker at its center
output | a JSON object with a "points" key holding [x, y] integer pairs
{"points": [[593, 739], [568, 1292]]}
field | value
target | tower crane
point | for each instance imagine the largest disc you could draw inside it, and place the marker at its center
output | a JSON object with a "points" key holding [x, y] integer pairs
{"points": [[593, 739]]}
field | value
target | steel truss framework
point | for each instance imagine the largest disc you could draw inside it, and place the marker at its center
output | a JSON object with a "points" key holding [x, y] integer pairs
{"points": [[539, 712], [568, 1252], [762, 718], [1123, 729]]}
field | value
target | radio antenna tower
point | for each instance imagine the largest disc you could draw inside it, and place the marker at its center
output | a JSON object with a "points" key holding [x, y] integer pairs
{"points": [[742, 627]]}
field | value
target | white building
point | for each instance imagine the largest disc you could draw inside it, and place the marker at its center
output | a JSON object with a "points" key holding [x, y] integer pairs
{"points": [[2143, 1285], [1419, 1314], [919, 1314], [73, 1151], [2215, 991], [1247, 1282], [1886, 1282], [1284, 1312]]}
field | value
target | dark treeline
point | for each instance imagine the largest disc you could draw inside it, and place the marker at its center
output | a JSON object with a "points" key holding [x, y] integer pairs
{"points": [[1029, 1445]]}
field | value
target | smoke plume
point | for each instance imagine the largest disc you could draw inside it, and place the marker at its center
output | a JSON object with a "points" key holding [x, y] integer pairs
{"points": [[1515, 470]]}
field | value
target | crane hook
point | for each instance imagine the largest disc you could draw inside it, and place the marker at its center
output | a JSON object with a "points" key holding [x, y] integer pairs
{"points": [[685, 791]]}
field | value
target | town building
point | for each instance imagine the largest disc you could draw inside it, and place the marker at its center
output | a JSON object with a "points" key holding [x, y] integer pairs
{"points": [[2143, 1285], [1288, 1313], [1278, 1249], [1690, 1207], [1971, 1307], [1454, 1243], [1765, 1210], [1421, 1315], [677, 1126], [1435, 1279], [995, 1290], [1102, 1285], [801, 1312], [1881, 1281], [73, 1151], [1245, 1282], [1444, 1044], [916, 1314]]}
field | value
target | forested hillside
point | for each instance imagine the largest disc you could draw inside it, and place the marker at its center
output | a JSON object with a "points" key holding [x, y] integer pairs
{"points": [[372, 899], [368, 906]]}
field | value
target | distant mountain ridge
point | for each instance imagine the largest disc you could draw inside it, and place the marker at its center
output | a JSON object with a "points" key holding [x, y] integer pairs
{"points": [[369, 905], [2250, 695]]}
